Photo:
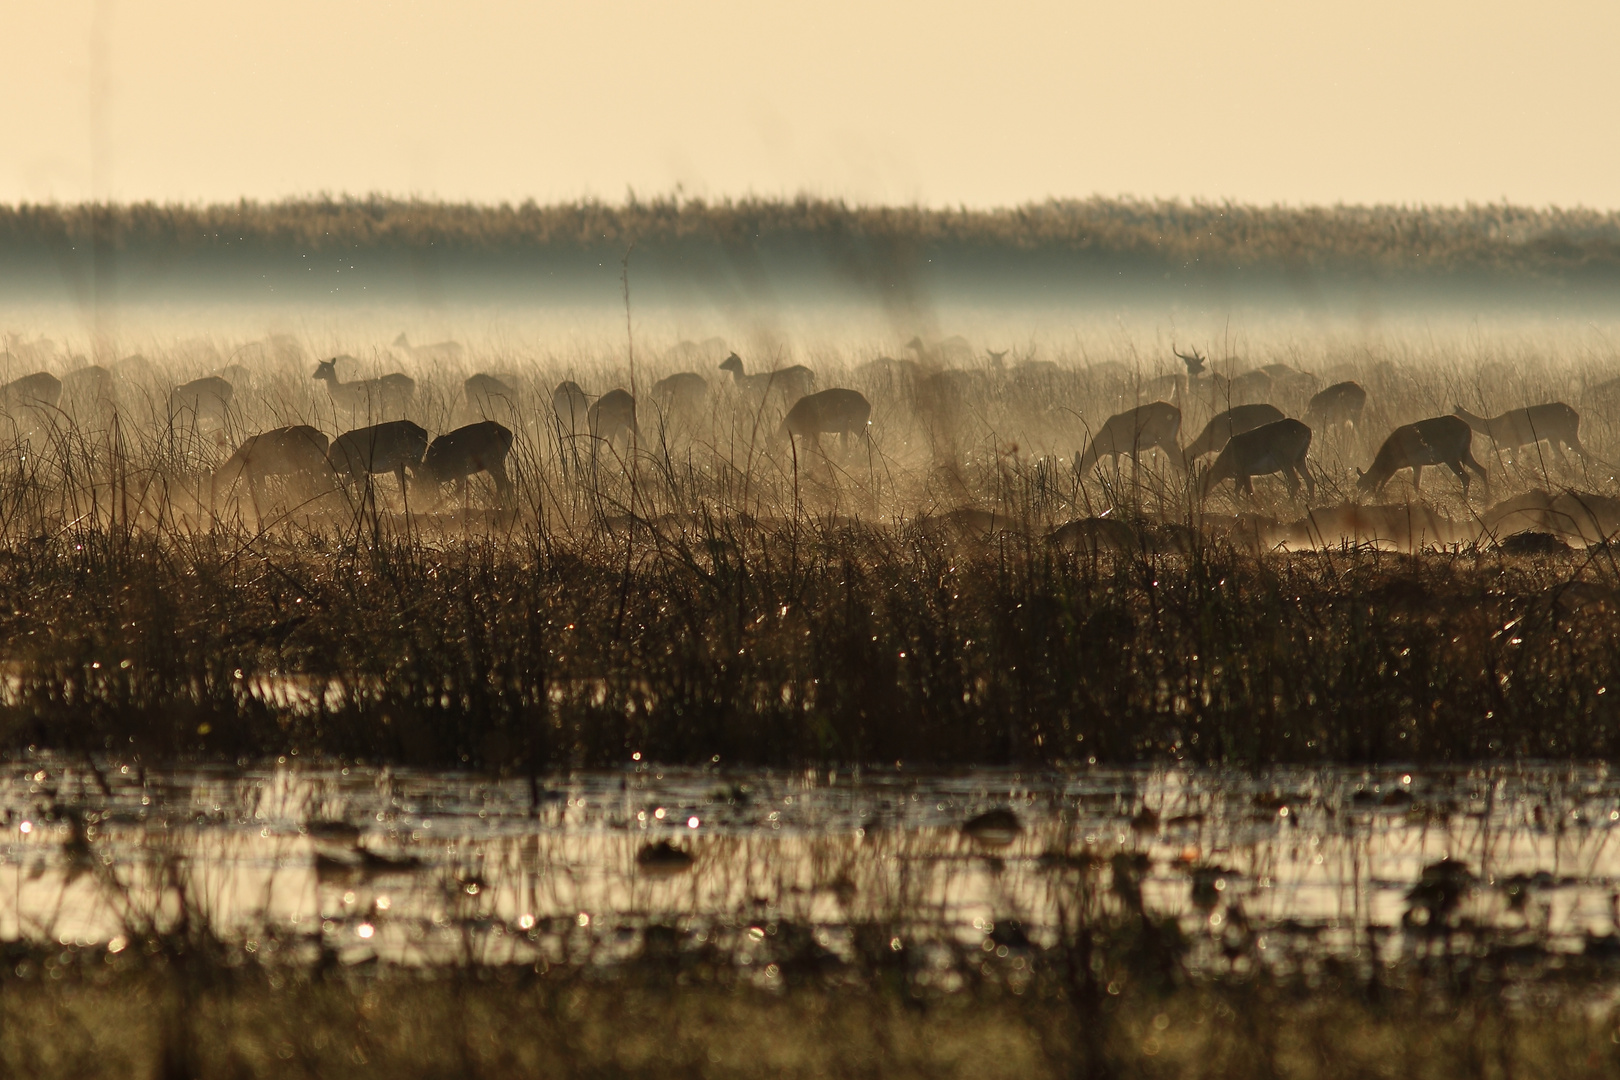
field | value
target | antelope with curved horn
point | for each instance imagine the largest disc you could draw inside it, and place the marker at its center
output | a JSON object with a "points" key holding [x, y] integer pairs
{"points": [[465, 452], [1153, 426], [837, 411], [391, 393], [390, 447], [1234, 421], [1556, 424], [1440, 440], [1279, 446]]}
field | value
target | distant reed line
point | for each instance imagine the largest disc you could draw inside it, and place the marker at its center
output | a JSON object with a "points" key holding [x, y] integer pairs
{"points": [[1495, 239]]}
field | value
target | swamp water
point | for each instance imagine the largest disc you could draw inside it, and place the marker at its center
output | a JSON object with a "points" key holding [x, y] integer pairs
{"points": [[771, 874]]}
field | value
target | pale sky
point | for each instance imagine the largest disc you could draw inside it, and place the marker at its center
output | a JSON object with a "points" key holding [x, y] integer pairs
{"points": [[940, 103]]}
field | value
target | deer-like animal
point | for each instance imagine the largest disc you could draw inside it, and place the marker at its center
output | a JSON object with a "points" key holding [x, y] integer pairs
{"points": [[1339, 404], [572, 407], [838, 411], [613, 415], [1251, 386], [297, 453], [390, 447], [1440, 440], [390, 394], [206, 398], [1234, 421], [1156, 425], [1279, 446], [488, 394], [464, 452], [439, 350], [32, 391], [792, 383], [1556, 424], [685, 393]]}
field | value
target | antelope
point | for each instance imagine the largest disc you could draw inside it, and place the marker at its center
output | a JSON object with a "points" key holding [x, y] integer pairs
{"points": [[571, 405], [484, 391], [614, 414], [209, 396], [40, 388], [391, 393], [1250, 386], [1145, 427], [1555, 424], [831, 412], [683, 393], [1339, 404], [792, 383], [1234, 421], [381, 448], [1095, 535], [954, 349], [456, 455], [1279, 446], [443, 350], [298, 452], [1440, 440]]}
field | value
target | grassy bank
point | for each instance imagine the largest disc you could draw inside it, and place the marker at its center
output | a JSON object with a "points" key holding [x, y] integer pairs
{"points": [[784, 644]]}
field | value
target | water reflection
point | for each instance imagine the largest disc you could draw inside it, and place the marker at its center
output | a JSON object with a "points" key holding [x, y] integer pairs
{"points": [[763, 870]]}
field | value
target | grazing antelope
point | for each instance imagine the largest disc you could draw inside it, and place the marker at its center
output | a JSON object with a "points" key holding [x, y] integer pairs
{"points": [[792, 383], [392, 447], [1155, 425], [1251, 386], [1341, 403], [39, 389], [831, 412], [1440, 440], [571, 406], [614, 414], [684, 393], [464, 452], [1279, 446], [486, 394], [209, 396], [1095, 535], [1234, 421], [298, 453], [1555, 424], [89, 392], [443, 350], [391, 393]]}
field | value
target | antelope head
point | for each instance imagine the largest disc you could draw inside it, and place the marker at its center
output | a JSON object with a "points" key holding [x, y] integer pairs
{"points": [[1195, 362]]}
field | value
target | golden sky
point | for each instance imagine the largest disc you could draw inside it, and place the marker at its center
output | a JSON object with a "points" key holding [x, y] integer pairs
{"points": [[941, 102]]}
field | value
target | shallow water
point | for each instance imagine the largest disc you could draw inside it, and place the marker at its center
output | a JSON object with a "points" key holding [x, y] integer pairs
{"points": [[413, 867]]}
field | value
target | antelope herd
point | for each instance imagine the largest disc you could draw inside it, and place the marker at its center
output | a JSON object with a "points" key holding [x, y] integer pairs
{"points": [[1271, 420]]}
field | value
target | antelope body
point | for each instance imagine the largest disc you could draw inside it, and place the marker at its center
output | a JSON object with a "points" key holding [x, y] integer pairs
{"points": [[391, 393], [209, 396], [298, 452], [40, 388], [488, 393], [1145, 427], [441, 350], [1219, 431], [791, 382], [466, 451], [831, 412], [614, 414], [1094, 535], [683, 393], [1279, 446], [1556, 424], [571, 406], [382, 448], [1440, 440], [1341, 403]]}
